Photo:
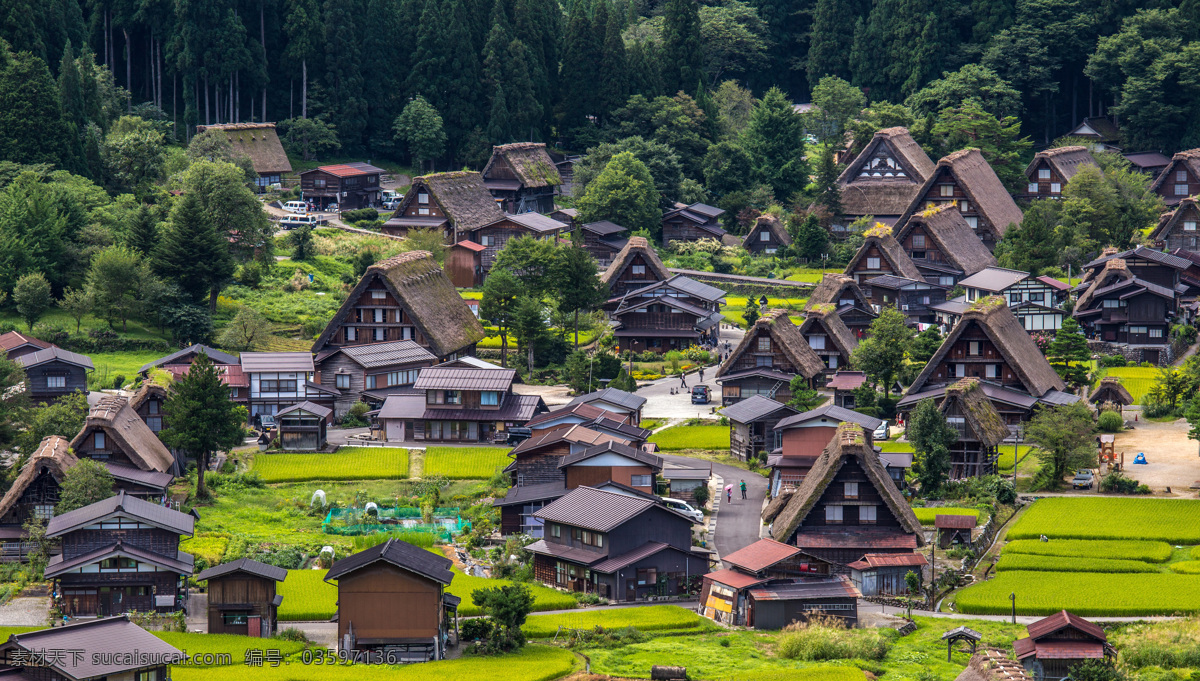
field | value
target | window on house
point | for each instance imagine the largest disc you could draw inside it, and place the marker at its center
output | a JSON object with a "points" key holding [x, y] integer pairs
{"points": [[1038, 298], [816, 342], [851, 490], [964, 206], [764, 236], [235, 618], [1189, 225], [379, 334], [872, 263], [422, 198], [833, 361], [351, 333], [993, 371], [1181, 190], [647, 576], [764, 361], [453, 397], [555, 530], [918, 241], [99, 441], [973, 348], [770, 251], [154, 423], [378, 295], [486, 241], [764, 343], [1156, 333], [972, 222], [379, 315], [833, 515], [319, 182], [489, 398], [1181, 176], [639, 480], [1032, 188], [946, 189], [152, 405], [1137, 330], [638, 270], [867, 515], [342, 381], [1111, 303], [1043, 173], [422, 211], [56, 381], [946, 281], [1055, 188]]}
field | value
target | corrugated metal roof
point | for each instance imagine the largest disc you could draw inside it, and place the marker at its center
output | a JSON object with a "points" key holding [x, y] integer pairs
{"points": [[524, 493], [614, 563], [603, 228], [594, 509], [393, 352], [455, 378], [246, 565], [126, 506], [613, 396], [760, 555], [258, 362], [310, 407], [1061, 620], [575, 555], [537, 222], [753, 408], [349, 169], [874, 560], [585, 412], [214, 354], [954, 522], [838, 586], [53, 353], [97, 640], [613, 447], [994, 279], [15, 339], [734, 579]]}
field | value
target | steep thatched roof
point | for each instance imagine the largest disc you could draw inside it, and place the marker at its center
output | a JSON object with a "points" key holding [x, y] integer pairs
{"points": [[834, 288], [951, 234], [770, 223], [870, 186], [825, 315], [259, 142], [974, 175], [1189, 159], [880, 237], [1066, 160], [849, 442], [116, 417], [54, 454], [980, 414], [425, 292], [1111, 390], [777, 505], [1168, 221], [1115, 270], [527, 161], [636, 246], [1015, 345], [461, 195], [786, 336]]}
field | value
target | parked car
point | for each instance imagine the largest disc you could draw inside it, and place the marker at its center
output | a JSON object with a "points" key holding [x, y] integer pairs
{"points": [[297, 207], [883, 432], [294, 221], [683, 507], [1084, 479], [700, 394], [518, 434]]}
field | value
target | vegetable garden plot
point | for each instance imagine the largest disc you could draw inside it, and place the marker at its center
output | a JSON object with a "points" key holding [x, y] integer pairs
{"points": [[1024, 561], [347, 463], [465, 463], [1149, 551], [1086, 594], [1176, 521]]}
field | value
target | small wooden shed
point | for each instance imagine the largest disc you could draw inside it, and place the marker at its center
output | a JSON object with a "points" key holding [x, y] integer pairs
{"points": [[954, 529], [877, 574], [302, 426], [242, 597]]}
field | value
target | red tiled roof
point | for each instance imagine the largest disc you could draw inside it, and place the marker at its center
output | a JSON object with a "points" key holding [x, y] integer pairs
{"points": [[231, 374], [471, 245], [733, 579], [1058, 650], [760, 555], [1060, 620], [873, 560], [954, 522], [1054, 283]]}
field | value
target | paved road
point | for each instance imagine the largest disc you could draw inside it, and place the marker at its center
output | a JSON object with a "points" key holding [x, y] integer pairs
{"points": [[738, 522], [662, 404]]}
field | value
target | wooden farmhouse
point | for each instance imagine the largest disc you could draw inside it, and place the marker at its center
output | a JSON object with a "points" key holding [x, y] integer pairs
{"points": [[624, 404], [1031, 299], [725, 592], [369, 373], [592, 417], [847, 506], [881, 254], [260, 143], [1177, 228], [243, 598], [114, 433], [522, 178], [668, 315], [15, 344], [1131, 299], [965, 179], [770, 355], [494, 236], [1058, 643], [1050, 170], [1150, 163], [52, 373], [457, 401], [604, 240], [843, 384], [990, 664], [406, 297], [1110, 391], [277, 380], [1101, 133], [567, 216], [118, 555], [636, 266], [801, 438], [980, 429], [752, 424], [452, 203], [89, 650], [1180, 179], [692, 223], [886, 574], [350, 185], [829, 338], [149, 400], [918, 299], [943, 246], [178, 363], [378, 584], [853, 306], [34, 493], [989, 344], [619, 546], [768, 236], [883, 179]]}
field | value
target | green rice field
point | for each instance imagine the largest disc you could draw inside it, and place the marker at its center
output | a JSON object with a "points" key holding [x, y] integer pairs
{"points": [[465, 463], [347, 463], [677, 438], [1024, 561], [1137, 380], [1094, 594], [1146, 551], [649, 618], [1176, 521], [927, 516]]}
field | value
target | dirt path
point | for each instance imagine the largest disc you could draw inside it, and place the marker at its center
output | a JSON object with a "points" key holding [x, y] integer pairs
{"points": [[1172, 459]]}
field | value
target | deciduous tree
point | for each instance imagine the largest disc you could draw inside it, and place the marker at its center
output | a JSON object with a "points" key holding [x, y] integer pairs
{"points": [[32, 297], [419, 128], [931, 437], [881, 355], [247, 331], [624, 193], [575, 282], [84, 484], [1064, 436], [500, 292]]}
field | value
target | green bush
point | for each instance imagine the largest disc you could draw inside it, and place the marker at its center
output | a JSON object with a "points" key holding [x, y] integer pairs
{"points": [[360, 215], [1112, 361], [1117, 482], [826, 638], [1111, 422]]}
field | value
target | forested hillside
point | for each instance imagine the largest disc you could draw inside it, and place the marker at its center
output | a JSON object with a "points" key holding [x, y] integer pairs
{"points": [[505, 70]]}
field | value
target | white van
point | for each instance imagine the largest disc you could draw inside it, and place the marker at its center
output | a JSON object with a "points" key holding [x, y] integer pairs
{"points": [[294, 221], [297, 207]]}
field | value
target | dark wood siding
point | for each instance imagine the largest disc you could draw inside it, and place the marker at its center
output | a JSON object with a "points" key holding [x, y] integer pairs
{"points": [[238, 593], [372, 598]]}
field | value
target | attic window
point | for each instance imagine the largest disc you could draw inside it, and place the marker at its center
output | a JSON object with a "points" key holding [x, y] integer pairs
{"points": [[867, 515], [638, 270], [1181, 190], [918, 241], [833, 515], [99, 441], [1043, 173], [1181, 176], [946, 189], [1055, 188], [378, 294], [872, 263], [1189, 225], [852, 490], [423, 198], [764, 236], [1033, 187]]}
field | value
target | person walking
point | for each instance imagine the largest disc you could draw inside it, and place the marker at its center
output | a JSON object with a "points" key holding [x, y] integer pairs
{"points": [[701, 374], [682, 380], [729, 494], [743, 486]]}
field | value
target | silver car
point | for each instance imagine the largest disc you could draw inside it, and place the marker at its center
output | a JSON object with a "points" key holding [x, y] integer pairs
{"points": [[683, 507]]}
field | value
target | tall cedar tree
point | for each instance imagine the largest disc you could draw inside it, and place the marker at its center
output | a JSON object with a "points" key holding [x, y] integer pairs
{"points": [[575, 281], [305, 32], [827, 51], [500, 292], [931, 437], [683, 55], [613, 78], [191, 252], [645, 69], [538, 25], [581, 53], [773, 140], [446, 68], [31, 116], [495, 62], [345, 67], [827, 192], [141, 229], [200, 418], [1068, 353], [389, 23]]}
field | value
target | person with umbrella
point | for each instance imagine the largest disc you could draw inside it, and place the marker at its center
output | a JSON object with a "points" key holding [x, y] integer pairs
{"points": [[728, 493]]}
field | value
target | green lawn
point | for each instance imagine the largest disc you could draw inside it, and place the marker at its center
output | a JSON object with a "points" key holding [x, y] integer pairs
{"points": [[347, 463], [110, 365], [657, 618], [1137, 380], [465, 463], [677, 438], [809, 276], [1008, 459], [544, 598], [891, 446]]}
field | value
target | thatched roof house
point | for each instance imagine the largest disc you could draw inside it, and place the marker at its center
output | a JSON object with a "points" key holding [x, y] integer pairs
{"points": [[785, 338], [885, 176], [850, 454], [258, 142], [823, 320], [1111, 390], [981, 420], [940, 242], [967, 179], [839, 290], [53, 458], [424, 293], [621, 274], [1179, 228], [113, 432], [1061, 163], [453, 202], [767, 235], [525, 162], [881, 254], [1187, 161]]}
